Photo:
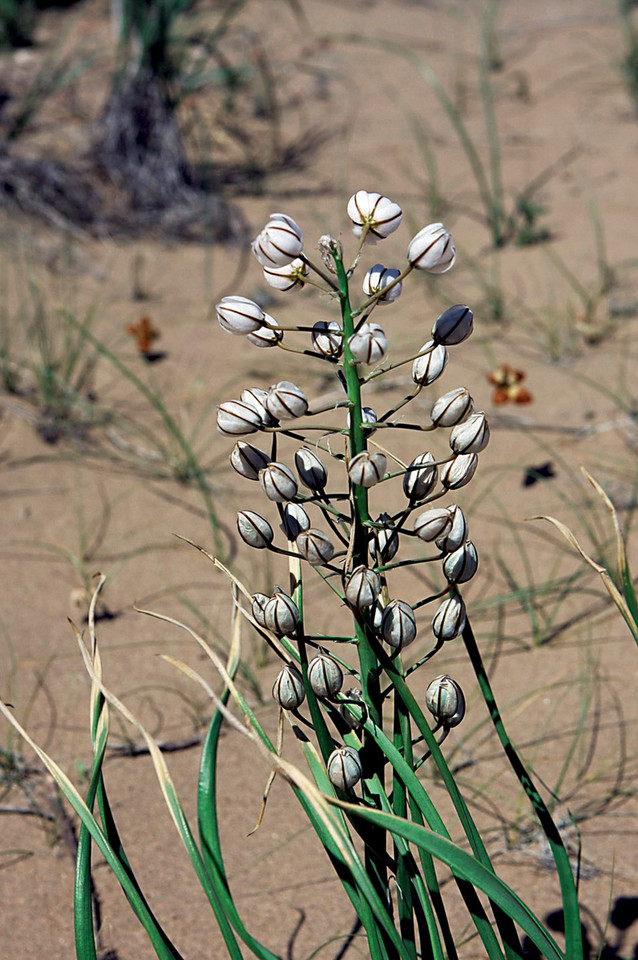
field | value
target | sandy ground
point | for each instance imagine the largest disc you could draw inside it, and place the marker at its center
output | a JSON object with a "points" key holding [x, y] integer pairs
{"points": [[563, 665]]}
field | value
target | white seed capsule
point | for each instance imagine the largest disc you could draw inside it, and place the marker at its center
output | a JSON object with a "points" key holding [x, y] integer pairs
{"points": [[279, 242], [459, 471], [368, 415], [311, 469], [259, 606], [239, 315], [235, 418], [286, 401], [384, 541], [315, 547], [369, 344], [278, 482], [366, 469], [281, 614], [420, 477], [344, 768], [445, 701], [325, 676], [288, 689], [380, 214], [248, 460], [432, 249], [255, 397], [449, 620], [430, 364], [433, 523], [454, 325], [266, 336], [377, 279], [375, 613], [457, 535], [362, 587], [398, 625], [472, 435], [286, 277], [327, 338], [254, 529], [461, 565], [352, 693], [452, 408], [294, 520]]}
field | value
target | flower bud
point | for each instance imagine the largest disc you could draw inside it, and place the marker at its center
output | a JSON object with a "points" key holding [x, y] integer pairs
{"points": [[375, 211], [279, 242], [369, 344], [239, 315], [454, 325], [384, 541], [255, 397], [457, 534], [288, 689], [398, 625], [461, 565], [449, 620], [248, 460], [344, 768], [377, 279], [445, 701], [286, 401], [433, 523], [325, 676], [420, 477], [286, 277], [258, 608], [368, 415], [429, 365], [278, 482], [327, 338], [459, 471], [294, 520], [266, 336], [362, 587], [472, 435], [452, 408], [235, 418], [281, 614], [366, 469], [315, 547], [311, 469], [432, 249], [254, 529]]}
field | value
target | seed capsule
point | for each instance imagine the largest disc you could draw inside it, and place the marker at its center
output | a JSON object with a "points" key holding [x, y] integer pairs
{"points": [[398, 625], [327, 338], [449, 620], [294, 520], [278, 482], [254, 529], [344, 768], [384, 542], [325, 676], [248, 460], [315, 547], [380, 214], [255, 397], [286, 401], [454, 325], [459, 471], [377, 279], [352, 693], [279, 242], [457, 535], [258, 609], [369, 344], [266, 336], [288, 689], [445, 701], [235, 418], [433, 523], [362, 587], [452, 408], [286, 277], [239, 315], [430, 365], [420, 477], [471, 436], [461, 565], [281, 614], [432, 249], [366, 469], [311, 469]]}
